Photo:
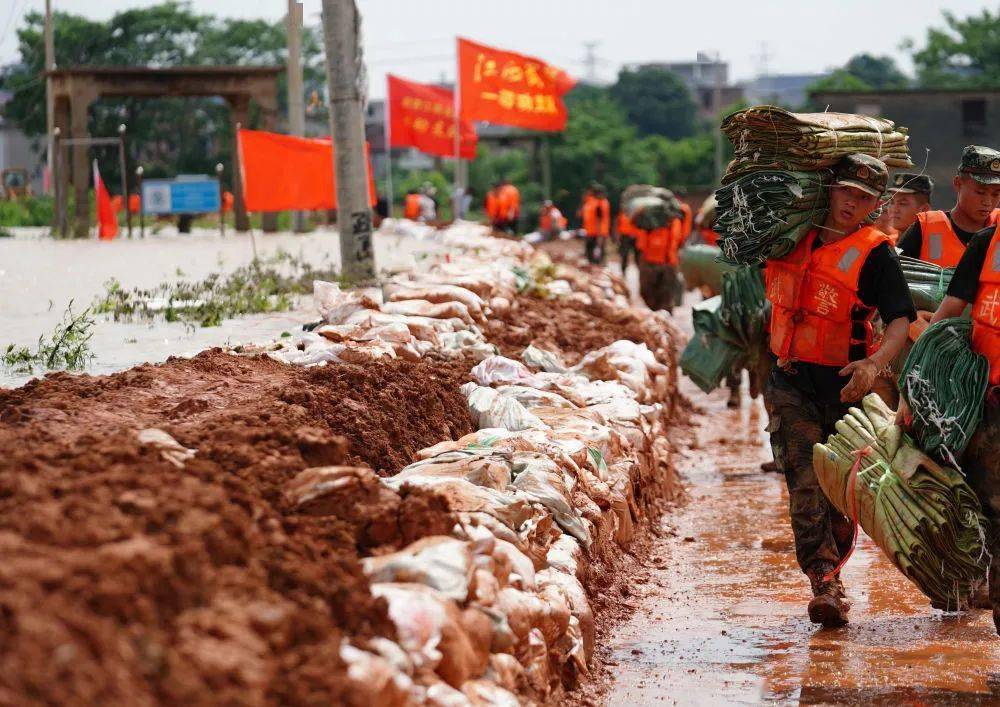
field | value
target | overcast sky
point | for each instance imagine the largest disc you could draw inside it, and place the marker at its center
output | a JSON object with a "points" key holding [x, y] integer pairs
{"points": [[415, 38]]}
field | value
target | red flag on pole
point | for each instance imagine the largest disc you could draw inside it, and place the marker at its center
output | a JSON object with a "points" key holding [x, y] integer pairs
{"points": [[423, 116], [510, 89], [107, 219]]}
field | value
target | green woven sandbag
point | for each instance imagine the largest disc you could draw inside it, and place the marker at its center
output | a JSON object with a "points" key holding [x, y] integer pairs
{"points": [[923, 516], [708, 358], [701, 266], [745, 311], [944, 381], [928, 282]]}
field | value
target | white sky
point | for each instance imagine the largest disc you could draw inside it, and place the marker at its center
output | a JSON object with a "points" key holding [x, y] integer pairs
{"points": [[415, 38]]}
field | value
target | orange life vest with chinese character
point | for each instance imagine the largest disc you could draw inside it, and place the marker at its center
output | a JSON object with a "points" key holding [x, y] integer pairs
{"points": [[411, 206], [660, 246], [596, 215], [814, 298], [986, 310], [939, 243]]}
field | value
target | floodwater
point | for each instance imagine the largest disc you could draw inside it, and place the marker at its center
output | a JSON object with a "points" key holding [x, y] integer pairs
{"points": [[722, 618], [39, 277]]}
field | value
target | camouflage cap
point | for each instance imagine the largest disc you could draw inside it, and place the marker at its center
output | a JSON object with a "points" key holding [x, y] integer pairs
{"points": [[912, 183], [863, 172], [981, 163]]}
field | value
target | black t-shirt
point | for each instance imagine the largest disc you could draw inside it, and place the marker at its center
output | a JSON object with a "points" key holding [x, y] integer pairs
{"points": [[965, 282], [881, 284], [912, 239]]}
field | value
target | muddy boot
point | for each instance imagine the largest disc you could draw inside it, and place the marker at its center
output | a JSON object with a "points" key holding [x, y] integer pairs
{"points": [[829, 605]]}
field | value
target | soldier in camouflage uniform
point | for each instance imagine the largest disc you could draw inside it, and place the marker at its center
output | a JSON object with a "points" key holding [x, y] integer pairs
{"points": [[824, 296]]}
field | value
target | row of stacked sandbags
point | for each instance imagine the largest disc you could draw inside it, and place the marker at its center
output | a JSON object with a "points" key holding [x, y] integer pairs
{"points": [[565, 463]]}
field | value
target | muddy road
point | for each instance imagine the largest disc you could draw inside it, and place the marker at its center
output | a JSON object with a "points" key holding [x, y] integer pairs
{"points": [[720, 615]]}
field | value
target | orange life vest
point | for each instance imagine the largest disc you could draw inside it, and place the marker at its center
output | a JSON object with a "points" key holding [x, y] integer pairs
{"points": [[994, 219], [814, 298], [625, 226], [893, 235], [508, 202], [596, 214], [939, 244], [660, 246], [688, 220], [411, 206], [986, 310], [551, 218], [709, 236]]}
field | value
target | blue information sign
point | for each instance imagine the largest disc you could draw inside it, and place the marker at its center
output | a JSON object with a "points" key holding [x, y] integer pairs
{"points": [[183, 195]]}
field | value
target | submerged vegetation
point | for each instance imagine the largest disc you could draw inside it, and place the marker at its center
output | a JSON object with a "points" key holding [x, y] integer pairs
{"points": [[263, 285], [68, 348]]}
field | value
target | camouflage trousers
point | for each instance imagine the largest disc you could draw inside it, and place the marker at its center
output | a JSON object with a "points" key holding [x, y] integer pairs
{"points": [[981, 465], [659, 285], [799, 420]]}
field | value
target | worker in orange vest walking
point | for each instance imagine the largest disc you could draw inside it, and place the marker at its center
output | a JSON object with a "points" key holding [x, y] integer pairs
{"points": [[658, 271], [824, 296], [508, 206], [625, 234], [595, 216], [940, 237], [551, 222], [977, 282], [411, 205]]}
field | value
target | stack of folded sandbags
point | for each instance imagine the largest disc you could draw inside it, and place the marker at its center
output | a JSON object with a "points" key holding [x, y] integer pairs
{"points": [[650, 207]]}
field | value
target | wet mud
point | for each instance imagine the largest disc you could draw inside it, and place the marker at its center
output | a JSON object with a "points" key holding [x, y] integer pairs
{"points": [[719, 604]]}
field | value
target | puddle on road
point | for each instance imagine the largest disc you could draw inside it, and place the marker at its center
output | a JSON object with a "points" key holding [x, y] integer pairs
{"points": [[723, 618]]}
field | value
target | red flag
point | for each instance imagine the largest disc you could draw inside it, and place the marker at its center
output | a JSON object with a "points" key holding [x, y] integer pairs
{"points": [[510, 89], [423, 116], [284, 172], [107, 219]]}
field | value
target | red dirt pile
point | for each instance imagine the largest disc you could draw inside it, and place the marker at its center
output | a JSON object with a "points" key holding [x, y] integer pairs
{"points": [[129, 578]]}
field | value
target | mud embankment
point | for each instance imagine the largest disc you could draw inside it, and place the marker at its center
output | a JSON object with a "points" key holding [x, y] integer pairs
{"points": [[147, 569]]}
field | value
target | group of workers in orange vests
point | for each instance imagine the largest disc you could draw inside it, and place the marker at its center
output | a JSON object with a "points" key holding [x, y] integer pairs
{"points": [[503, 206]]}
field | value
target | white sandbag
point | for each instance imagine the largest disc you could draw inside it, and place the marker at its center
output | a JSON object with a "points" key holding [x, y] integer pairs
{"points": [[545, 360], [373, 680], [483, 467], [423, 308], [499, 369], [440, 562], [541, 479], [511, 509], [437, 293], [493, 409], [336, 306], [485, 693], [507, 554], [531, 397]]}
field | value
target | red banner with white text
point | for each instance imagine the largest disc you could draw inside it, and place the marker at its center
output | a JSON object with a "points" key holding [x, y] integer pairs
{"points": [[510, 89], [423, 116]]}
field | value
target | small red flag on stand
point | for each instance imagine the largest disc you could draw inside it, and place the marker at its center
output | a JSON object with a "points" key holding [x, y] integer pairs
{"points": [[107, 219]]}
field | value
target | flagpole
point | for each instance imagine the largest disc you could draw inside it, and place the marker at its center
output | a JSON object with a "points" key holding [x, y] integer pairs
{"points": [[388, 143], [458, 129]]}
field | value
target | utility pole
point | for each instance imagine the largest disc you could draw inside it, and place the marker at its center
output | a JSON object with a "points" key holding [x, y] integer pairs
{"points": [[296, 109], [590, 60], [341, 37], [717, 108], [50, 105]]}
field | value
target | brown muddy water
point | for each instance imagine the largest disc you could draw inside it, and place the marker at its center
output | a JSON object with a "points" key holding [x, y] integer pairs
{"points": [[39, 276], [721, 618]]}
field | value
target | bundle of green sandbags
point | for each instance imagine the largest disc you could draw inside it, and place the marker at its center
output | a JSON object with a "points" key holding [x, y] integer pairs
{"points": [[650, 207], [768, 137], [766, 213], [701, 267], [729, 329], [928, 282], [708, 356], [944, 381], [923, 516]]}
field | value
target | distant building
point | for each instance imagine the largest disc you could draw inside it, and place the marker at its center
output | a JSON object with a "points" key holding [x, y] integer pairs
{"points": [[19, 151], [941, 122], [784, 90], [701, 77]]}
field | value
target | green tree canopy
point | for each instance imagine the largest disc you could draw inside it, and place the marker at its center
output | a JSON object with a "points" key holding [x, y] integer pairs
{"points": [[879, 72], [656, 101], [966, 52], [839, 80]]}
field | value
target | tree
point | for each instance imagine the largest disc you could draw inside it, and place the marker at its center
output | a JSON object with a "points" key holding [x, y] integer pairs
{"points": [[685, 163], [878, 72], [166, 135], [965, 53], [839, 80], [656, 101]]}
